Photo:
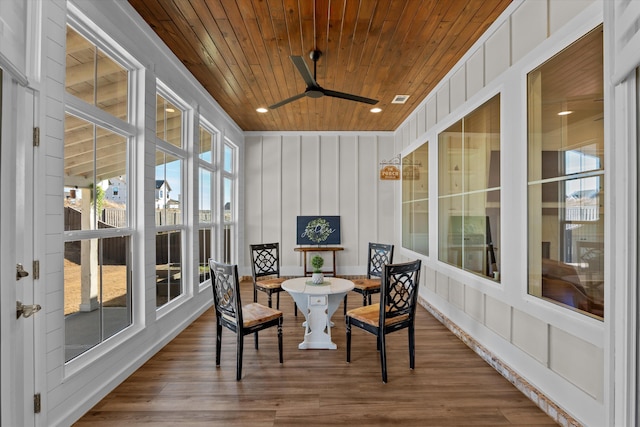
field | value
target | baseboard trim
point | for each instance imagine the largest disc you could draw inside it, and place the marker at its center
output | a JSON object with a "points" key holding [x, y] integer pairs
{"points": [[554, 411]]}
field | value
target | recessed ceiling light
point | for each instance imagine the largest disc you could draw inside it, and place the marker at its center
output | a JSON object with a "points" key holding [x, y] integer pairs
{"points": [[170, 110], [564, 113], [400, 99], [261, 110], [376, 110]]}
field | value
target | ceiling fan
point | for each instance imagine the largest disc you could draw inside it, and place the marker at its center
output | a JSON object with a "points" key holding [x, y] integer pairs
{"points": [[314, 90]]}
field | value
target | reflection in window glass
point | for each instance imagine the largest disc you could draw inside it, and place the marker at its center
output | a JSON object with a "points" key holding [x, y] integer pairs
{"points": [[205, 215], [168, 122], [94, 77], [95, 166], [97, 292], [415, 200], [168, 266], [566, 177], [469, 191]]}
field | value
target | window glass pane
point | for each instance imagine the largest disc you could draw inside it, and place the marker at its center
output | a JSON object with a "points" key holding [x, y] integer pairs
{"points": [[415, 200], [228, 197], [168, 185], [228, 158], [111, 168], [95, 165], [81, 67], [205, 245], [97, 292], [566, 177], [168, 266], [205, 212], [94, 77], [112, 86], [168, 122], [206, 145], [469, 186]]}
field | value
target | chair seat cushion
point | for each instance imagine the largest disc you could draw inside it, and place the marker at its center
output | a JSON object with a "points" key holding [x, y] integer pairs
{"points": [[275, 283], [370, 314], [254, 313], [366, 284]]}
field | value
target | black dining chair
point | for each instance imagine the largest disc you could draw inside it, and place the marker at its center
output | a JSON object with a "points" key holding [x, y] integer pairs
{"points": [[379, 255], [395, 311], [230, 312], [265, 272]]}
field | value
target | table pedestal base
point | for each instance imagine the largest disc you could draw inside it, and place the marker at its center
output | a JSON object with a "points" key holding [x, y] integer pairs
{"points": [[317, 332]]}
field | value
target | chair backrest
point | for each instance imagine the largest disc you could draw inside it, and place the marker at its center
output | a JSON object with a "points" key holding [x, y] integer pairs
{"points": [[399, 290], [226, 290], [379, 255], [265, 260]]}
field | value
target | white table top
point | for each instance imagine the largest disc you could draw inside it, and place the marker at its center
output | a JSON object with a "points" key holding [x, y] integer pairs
{"points": [[336, 286]]}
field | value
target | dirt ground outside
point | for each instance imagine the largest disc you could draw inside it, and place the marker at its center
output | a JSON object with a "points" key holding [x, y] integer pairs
{"points": [[114, 286]]}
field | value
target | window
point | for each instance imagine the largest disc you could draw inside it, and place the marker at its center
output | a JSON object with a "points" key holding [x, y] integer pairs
{"points": [[469, 191], [229, 200], [415, 200], [170, 158], [98, 235], [206, 196], [566, 177]]}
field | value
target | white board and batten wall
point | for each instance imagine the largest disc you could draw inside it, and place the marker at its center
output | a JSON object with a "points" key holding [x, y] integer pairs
{"points": [[318, 173]]}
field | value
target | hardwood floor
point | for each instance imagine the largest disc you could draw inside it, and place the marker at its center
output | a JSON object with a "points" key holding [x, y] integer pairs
{"points": [[181, 386]]}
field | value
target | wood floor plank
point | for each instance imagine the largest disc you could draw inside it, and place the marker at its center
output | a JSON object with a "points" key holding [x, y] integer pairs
{"points": [[450, 385]]}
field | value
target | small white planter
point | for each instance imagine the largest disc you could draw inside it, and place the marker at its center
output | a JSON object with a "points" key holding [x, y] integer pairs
{"points": [[317, 278]]}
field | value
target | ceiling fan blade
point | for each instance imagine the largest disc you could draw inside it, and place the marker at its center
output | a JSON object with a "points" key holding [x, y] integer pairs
{"points": [[286, 101], [298, 61], [349, 96]]}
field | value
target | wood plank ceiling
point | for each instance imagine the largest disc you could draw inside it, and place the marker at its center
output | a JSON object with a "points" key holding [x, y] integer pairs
{"points": [[239, 51]]}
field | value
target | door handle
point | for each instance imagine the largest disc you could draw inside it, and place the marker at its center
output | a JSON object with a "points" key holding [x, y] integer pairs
{"points": [[26, 310], [20, 272]]}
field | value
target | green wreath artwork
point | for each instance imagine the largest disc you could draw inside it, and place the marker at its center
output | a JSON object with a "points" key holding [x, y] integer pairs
{"points": [[318, 230]]}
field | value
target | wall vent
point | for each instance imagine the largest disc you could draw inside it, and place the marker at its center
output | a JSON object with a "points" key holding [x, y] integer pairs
{"points": [[400, 99]]}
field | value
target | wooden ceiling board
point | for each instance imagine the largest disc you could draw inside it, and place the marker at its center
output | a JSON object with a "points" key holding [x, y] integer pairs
{"points": [[239, 51]]}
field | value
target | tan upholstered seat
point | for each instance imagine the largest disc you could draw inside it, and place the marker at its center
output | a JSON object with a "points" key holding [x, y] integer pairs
{"points": [[274, 283], [370, 314]]}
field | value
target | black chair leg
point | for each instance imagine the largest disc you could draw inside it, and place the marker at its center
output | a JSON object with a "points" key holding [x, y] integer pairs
{"points": [[278, 301], [280, 339], [218, 342], [240, 338], [255, 338], [369, 299], [345, 305], [348, 327], [295, 309], [269, 300], [383, 357], [255, 294], [364, 299], [412, 347]]}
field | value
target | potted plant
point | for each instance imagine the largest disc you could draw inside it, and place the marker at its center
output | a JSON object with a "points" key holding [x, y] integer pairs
{"points": [[316, 262]]}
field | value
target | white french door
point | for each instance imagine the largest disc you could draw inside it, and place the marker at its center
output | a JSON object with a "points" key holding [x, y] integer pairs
{"points": [[16, 252]]}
